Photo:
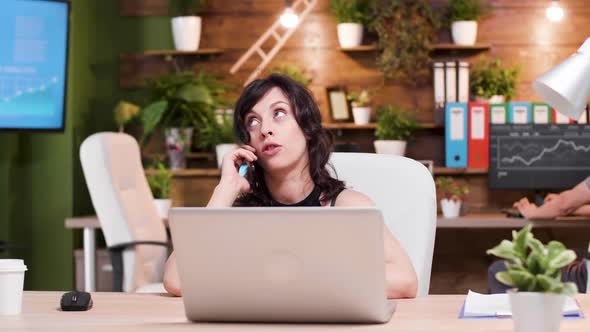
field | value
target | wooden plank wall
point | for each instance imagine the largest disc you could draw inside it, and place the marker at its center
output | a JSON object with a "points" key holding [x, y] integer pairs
{"points": [[518, 33]]}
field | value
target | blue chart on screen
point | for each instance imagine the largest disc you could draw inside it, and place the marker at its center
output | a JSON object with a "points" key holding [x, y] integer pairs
{"points": [[539, 156], [33, 64]]}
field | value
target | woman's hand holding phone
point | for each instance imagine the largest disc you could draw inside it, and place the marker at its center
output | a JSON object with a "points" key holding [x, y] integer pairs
{"points": [[230, 168]]}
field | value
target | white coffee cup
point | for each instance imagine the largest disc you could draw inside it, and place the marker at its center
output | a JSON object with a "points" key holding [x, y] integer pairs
{"points": [[12, 278]]}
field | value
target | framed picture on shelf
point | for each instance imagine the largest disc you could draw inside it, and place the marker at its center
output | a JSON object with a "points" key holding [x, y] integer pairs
{"points": [[339, 107]]}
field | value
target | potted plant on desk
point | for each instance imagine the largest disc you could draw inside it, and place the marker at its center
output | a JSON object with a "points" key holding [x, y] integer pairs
{"points": [[534, 270], [394, 127], [453, 194], [159, 183]]}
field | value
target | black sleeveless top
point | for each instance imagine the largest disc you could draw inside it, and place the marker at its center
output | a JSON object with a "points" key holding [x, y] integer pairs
{"points": [[313, 199]]}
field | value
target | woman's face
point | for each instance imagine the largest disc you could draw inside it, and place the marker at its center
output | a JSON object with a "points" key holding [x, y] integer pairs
{"points": [[274, 132]]}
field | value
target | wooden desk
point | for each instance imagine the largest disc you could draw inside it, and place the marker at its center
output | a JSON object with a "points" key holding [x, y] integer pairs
{"points": [[90, 223], [152, 312]]}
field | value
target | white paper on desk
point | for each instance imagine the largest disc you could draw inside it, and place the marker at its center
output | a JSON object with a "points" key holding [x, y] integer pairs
{"points": [[479, 305]]}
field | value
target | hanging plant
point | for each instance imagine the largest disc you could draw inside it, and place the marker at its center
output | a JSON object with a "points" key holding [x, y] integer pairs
{"points": [[407, 31]]}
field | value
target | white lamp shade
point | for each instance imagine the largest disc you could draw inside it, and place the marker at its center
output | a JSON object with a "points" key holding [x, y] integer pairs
{"points": [[566, 87]]}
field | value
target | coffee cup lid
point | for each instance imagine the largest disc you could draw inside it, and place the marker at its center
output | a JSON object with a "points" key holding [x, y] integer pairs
{"points": [[12, 265]]}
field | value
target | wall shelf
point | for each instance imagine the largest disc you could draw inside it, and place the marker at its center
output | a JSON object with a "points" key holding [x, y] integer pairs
{"points": [[459, 171], [442, 47], [351, 125], [172, 53]]}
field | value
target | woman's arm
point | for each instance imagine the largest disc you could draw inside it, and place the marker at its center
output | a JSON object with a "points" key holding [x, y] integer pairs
{"points": [[400, 277], [224, 195], [562, 204]]}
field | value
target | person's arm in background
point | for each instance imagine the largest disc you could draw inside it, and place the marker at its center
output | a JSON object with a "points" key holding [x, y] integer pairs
{"points": [[567, 202], [224, 195], [583, 210], [400, 278]]}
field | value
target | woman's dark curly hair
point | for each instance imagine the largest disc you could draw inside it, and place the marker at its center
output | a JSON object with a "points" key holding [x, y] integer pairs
{"points": [[307, 114]]}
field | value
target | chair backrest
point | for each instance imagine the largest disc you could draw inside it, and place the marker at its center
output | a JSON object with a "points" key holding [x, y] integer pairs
{"points": [[124, 204], [404, 191]]}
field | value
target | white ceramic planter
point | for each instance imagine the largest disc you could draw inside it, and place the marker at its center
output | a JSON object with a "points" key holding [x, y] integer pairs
{"points": [[186, 31], [350, 34], [163, 206], [223, 149], [397, 148], [496, 99], [464, 32], [361, 115], [450, 208], [536, 312]]}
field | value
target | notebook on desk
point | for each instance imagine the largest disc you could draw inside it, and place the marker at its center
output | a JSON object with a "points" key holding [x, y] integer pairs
{"points": [[478, 305]]}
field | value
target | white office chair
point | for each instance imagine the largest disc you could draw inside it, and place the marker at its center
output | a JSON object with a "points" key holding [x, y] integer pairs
{"points": [[134, 233], [404, 191]]}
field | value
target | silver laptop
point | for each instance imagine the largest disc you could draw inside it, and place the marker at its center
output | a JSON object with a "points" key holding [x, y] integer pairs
{"points": [[281, 264]]}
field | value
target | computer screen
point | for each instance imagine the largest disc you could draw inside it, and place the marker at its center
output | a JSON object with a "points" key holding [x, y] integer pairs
{"points": [[538, 157], [33, 64]]}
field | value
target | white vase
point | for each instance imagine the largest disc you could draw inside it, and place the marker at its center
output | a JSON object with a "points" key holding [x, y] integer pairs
{"points": [[223, 149], [361, 115], [495, 99], [350, 34], [536, 312], [397, 148], [163, 206], [186, 31], [450, 208], [464, 32]]}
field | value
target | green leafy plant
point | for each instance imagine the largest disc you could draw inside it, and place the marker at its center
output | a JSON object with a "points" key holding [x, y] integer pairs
{"points": [[359, 99], [217, 129], [124, 113], [451, 189], [532, 266], [184, 7], [407, 31], [293, 71], [181, 100], [352, 11], [160, 181], [466, 10], [393, 123], [489, 78]]}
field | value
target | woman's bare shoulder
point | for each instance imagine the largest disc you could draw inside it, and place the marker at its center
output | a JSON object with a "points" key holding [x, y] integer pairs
{"points": [[352, 198]]}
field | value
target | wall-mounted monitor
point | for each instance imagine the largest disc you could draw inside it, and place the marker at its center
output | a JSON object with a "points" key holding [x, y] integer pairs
{"points": [[33, 64]]}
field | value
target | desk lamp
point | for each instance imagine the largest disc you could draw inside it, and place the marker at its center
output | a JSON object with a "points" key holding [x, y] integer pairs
{"points": [[566, 87]]}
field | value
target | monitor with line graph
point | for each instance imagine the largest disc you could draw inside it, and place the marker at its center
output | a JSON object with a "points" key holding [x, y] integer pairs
{"points": [[538, 157], [33, 62]]}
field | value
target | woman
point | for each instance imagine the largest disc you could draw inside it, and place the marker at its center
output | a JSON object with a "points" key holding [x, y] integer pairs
{"points": [[279, 125]]}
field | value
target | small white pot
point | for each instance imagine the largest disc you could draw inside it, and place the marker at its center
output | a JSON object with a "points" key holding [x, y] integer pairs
{"points": [[186, 31], [495, 99], [464, 32], [163, 206], [397, 148], [223, 149], [536, 312], [350, 34], [361, 115], [450, 208]]}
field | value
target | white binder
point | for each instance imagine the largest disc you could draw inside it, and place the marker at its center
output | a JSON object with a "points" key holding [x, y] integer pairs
{"points": [[463, 84], [451, 82]]}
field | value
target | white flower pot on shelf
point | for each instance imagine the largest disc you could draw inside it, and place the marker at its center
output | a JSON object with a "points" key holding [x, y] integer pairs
{"points": [[397, 148], [495, 99], [223, 149], [361, 115], [464, 32], [450, 208], [163, 206], [350, 34], [186, 32], [536, 312]]}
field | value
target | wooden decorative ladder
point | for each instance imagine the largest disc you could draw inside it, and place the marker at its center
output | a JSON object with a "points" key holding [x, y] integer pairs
{"points": [[302, 9]]}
